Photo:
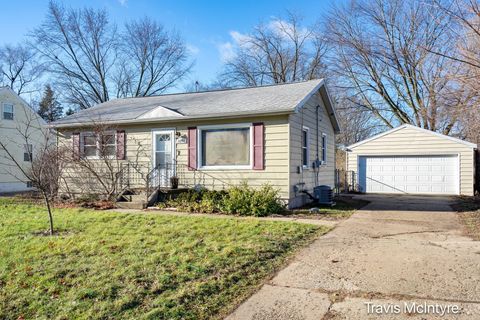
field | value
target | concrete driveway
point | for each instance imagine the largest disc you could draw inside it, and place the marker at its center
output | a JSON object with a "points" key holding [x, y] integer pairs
{"points": [[400, 257]]}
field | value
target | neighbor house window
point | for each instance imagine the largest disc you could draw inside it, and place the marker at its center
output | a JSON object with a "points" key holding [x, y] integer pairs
{"points": [[8, 111], [98, 145], [27, 154], [324, 147], [225, 146], [29, 184], [305, 146]]}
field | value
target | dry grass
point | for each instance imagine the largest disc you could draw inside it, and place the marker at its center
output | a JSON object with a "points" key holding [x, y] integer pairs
{"points": [[469, 212]]}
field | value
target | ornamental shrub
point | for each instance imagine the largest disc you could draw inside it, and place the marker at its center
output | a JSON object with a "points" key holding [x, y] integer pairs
{"points": [[242, 200]]}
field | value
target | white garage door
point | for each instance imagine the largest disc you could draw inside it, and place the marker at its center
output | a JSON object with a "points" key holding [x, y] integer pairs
{"points": [[409, 174]]}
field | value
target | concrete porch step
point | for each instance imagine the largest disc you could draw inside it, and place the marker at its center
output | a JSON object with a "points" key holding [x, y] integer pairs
{"points": [[131, 205]]}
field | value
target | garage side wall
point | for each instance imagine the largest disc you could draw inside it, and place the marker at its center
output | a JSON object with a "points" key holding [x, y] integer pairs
{"points": [[409, 141]]}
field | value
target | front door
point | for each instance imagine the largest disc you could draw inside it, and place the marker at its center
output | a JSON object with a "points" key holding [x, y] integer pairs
{"points": [[164, 156]]}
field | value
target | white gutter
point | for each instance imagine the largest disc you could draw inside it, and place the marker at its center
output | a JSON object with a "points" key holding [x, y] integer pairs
{"points": [[173, 119]]}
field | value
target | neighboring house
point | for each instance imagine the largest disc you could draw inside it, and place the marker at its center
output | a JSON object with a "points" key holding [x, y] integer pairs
{"points": [[20, 131], [408, 159], [271, 134]]}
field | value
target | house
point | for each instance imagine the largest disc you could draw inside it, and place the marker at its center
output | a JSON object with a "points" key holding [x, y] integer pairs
{"points": [[271, 134], [21, 134], [408, 159]]}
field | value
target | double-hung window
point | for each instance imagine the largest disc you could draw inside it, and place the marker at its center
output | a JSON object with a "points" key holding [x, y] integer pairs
{"points": [[7, 111], [28, 153], [305, 146], [93, 145], [324, 148], [227, 146]]}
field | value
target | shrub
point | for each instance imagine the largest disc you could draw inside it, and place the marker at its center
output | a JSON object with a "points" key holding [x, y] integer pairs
{"points": [[241, 199], [244, 200]]}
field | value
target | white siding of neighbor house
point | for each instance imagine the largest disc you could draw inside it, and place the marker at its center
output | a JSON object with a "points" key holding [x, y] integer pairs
{"points": [[409, 141], [12, 135], [326, 173], [139, 149]]}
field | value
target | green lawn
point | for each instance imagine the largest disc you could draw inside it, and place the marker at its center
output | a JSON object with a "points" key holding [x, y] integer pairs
{"points": [[113, 266]]}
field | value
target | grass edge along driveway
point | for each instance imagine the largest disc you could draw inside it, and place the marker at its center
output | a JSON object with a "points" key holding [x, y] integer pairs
{"points": [[117, 266]]}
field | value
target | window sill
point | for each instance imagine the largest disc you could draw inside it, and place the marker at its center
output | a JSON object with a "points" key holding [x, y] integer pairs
{"points": [[222, 168]]}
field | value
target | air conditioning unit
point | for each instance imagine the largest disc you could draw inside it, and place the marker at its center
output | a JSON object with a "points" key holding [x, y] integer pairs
{"points": [[324, 195]]}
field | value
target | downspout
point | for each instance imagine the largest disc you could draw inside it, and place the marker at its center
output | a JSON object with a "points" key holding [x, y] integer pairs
{"points": [[316, 166]]}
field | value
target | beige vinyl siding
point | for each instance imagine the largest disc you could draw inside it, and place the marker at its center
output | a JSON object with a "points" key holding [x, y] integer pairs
{"points": [[409, 141], [139, 149], [326, 175]]}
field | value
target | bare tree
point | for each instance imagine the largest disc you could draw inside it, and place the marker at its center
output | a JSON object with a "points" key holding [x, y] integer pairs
{"points": [[41, 164], [153, 59], [19, 68], [97, 161], [382, 54], [278, 52], [79, 47], [465, 15], [94, 62]]}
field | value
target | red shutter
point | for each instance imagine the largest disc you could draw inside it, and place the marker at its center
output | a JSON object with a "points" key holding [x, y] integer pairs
{"points": [[192, 148], [258, 146], [121, 144], [76, 145]]}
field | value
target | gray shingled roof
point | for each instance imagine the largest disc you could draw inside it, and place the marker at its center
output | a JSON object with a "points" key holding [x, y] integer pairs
{"points": [[256, 100]]}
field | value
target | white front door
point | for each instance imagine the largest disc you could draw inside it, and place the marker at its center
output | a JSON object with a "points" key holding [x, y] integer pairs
{"points": [[164, 156], [429, 174]]}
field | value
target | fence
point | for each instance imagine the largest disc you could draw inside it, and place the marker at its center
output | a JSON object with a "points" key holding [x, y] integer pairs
{"points": [[345, 181]]}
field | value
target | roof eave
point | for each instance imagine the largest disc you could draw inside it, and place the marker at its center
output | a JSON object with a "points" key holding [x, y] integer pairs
{"points": [[175, 119], [322, 88]]}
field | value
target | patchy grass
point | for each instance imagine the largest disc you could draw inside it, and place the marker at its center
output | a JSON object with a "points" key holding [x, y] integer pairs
{"points": [[107, 265], [345, 206], [469, 212]]}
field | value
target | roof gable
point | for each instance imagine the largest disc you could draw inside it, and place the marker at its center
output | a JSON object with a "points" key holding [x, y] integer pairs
{"points": [[24, 103], [409, 126]]}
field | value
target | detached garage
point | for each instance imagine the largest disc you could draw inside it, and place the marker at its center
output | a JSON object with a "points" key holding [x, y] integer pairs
{"points": [[411, 160]]}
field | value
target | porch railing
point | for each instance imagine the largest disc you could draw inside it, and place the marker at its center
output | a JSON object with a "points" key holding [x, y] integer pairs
{"points": [[132, 176]]}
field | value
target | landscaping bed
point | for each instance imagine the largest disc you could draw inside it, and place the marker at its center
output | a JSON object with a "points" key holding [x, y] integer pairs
{"points": [[468, 209], [116, 266], [344, 207]]}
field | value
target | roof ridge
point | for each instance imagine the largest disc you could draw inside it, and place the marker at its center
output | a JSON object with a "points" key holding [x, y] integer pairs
{"points": [[222, 89]]}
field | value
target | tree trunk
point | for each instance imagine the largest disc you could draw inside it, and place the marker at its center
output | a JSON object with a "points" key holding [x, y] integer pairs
{"points": [[49, 209]]}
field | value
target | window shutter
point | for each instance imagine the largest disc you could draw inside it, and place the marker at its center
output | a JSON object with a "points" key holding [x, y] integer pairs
{"points": [[192, 148], [121, 145], [76, 145], [258, 146]]}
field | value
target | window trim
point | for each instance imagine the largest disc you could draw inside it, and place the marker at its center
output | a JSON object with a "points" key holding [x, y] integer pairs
{"points": [[97, 140], [200, 165], [307, 147], [28, 149], [324, 148], [3, 111]]}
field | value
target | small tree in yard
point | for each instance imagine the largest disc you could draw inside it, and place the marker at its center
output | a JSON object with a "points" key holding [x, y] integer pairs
{"points": [[42, 161]]}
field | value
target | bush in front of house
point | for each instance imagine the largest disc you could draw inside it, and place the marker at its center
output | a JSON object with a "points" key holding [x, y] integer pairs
{"points": [[242, 200]]}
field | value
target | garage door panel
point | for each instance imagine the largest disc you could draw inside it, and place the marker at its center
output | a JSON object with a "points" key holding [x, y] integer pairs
{"points": [[409, 174]]}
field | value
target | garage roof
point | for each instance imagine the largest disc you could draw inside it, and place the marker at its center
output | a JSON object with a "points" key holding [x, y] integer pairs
{"points": [[469, 144]]}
